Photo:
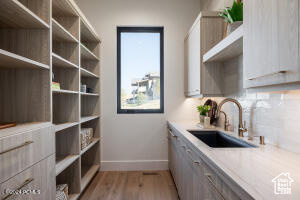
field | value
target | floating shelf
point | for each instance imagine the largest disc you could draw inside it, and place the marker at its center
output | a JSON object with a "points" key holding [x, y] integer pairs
{"points": [[61, 34], [59, 61], [89, 175], [63, 8], [86, 73], [60, 127], [55, 91], [229, 47], [14, 14], [11, 60], [88, 94], [64, 162], [95, 140], [87, 54], [88, 118]]}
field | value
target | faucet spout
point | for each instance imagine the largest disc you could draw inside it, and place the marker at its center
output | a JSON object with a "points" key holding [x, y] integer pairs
{"points": [[242, 129]]}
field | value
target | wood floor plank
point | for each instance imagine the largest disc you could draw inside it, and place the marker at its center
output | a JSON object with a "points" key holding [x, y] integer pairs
{"points": [[90, 189], [157, 185]]}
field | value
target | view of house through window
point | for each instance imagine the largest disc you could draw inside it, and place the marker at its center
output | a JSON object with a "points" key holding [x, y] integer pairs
{"points": [[140, 69]]}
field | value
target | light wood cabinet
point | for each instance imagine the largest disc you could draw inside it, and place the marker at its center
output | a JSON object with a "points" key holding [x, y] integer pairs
{"points": [[21, 151], [203, 79], [271, 42], [38, 181], [195, 177]]}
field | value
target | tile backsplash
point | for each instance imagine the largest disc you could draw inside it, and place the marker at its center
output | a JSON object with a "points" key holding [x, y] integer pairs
{"points": [[275, 115]]}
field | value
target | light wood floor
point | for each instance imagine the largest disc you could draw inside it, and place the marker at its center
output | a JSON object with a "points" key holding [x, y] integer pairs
{"points": [[156, 185]]}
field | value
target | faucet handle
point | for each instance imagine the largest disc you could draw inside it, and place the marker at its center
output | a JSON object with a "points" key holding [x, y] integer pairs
{"points": [[244, 129]]}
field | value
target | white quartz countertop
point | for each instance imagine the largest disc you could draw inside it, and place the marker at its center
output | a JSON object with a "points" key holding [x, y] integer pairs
{"points": [[253, 169]]}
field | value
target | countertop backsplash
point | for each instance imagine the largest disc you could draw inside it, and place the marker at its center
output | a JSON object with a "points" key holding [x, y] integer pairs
{"points": [[275, 115]]}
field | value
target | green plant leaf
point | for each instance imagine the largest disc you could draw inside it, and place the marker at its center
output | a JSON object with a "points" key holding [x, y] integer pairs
{"points": [[233, 14]]}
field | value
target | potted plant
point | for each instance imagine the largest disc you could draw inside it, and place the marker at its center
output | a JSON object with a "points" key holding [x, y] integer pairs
{"points": [[203, 110], [233, 16]]}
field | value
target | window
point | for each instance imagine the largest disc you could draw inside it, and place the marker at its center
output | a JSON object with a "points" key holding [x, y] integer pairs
{"points": [[140, 69]]}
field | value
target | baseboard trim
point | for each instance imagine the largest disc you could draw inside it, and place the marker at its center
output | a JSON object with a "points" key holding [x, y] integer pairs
{"points": [[134, 165]]}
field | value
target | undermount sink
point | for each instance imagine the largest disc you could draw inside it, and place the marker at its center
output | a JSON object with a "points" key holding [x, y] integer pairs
{"points": [[217, 139]]}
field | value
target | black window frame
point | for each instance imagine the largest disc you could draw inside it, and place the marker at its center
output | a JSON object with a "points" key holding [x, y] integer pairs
{"points": [[159, 30]]}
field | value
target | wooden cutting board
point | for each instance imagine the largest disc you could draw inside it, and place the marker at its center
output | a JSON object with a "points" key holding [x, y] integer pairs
{"points": [[7, 125]]}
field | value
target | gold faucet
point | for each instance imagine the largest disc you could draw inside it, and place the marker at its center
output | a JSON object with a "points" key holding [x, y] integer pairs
{"points": [[242, 128]]}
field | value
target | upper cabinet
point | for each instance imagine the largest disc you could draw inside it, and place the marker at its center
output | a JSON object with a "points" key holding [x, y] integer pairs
{"points": [[271, 42], [203, 79]]}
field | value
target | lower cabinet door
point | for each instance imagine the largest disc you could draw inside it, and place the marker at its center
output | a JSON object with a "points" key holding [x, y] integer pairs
{"points": [[35, 183]]}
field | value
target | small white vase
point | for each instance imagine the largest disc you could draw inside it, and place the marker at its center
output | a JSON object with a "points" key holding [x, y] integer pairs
{"points": [[206, 122], [232, 27], [201, 118]]}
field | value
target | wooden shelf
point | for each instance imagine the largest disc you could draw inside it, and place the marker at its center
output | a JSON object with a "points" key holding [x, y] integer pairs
{"points": [[89, 94], [63, 8], [95, 140], [14, 14], [55, 91], [87, 54], [61, 34], [11, 60], [88, 118], [89, 175], [229, 47], [64, 162], [59, 61], [60, 127], [87, 33], [86, 73]]}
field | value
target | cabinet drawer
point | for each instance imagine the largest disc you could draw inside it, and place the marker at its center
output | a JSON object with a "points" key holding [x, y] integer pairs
{"points": [[218, 188], [38, 179], [18, 152]]}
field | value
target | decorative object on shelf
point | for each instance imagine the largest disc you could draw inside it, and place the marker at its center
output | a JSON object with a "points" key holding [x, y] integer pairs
{"points": [[90, 90], [55, 85], [7, 125], [86, 137], [83, 88], [213, 108], [233, 16], [206, 122], [62, 192], [203, 111]]}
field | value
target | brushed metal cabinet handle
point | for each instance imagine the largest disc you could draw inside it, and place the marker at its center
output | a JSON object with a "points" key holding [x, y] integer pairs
{"points": [[210, 179], [17, 147], [175, 136], [190, 156], [26, 182], [270, 74]]}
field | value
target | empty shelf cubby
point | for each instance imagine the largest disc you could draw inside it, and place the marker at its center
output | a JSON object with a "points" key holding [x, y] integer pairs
{"points": [[25, 95], [65, 107]]}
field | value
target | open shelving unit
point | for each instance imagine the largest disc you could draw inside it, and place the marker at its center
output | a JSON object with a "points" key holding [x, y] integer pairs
{"points": [[41, 42], [75, 61], [229, 47], [24, 17], [25, 65]]}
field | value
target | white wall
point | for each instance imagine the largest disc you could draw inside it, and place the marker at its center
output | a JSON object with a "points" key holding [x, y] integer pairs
{"points": [[138, 141]]}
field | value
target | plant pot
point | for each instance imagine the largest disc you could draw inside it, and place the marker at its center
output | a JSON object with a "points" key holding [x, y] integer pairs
{"points": [[232, 27], [201, 118]]}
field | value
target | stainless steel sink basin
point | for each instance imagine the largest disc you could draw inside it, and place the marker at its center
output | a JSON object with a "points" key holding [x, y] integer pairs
{"points": [[217, 139]]}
